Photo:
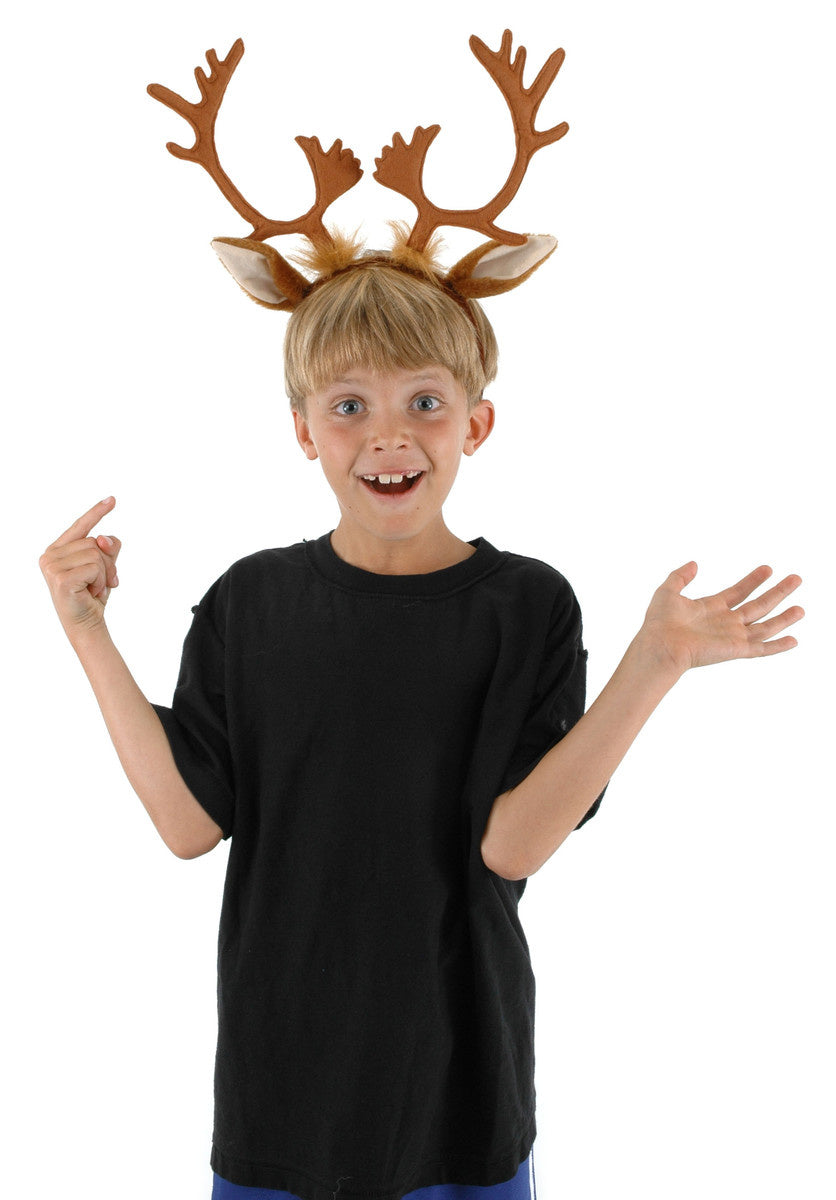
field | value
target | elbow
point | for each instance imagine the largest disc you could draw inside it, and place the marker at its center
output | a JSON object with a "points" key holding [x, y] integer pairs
{"points": [[184, 852], [515, 867], [196, 850], [497, 854], [512, 874], [178, 846], [191, 832], [187, 847], [503, 866], [181, 821]]}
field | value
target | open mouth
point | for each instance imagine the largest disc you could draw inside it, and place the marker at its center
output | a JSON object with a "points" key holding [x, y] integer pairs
{"points": [[392, 489]]}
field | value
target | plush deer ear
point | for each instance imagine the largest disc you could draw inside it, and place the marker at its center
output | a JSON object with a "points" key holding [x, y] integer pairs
{"points": [[494, 267], [261, 271]]}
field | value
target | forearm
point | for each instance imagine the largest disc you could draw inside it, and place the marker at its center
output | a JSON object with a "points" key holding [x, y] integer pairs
{"points": [[528, 823], [143, 747]]}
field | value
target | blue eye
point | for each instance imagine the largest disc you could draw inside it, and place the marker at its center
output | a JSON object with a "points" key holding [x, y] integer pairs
{"points": [[434, 400], [342, 402]]}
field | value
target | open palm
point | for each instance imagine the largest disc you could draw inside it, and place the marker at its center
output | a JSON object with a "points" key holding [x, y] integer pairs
{"points": [[713, 629]]}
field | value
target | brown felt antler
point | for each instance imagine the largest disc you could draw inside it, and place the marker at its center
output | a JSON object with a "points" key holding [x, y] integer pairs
{"points": [[334, 171], [401, 165], [504, 262]]}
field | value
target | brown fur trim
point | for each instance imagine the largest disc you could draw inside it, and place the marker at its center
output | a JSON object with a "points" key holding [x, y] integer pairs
{"points": [[326, 259], [423, 262], [285, 306]]}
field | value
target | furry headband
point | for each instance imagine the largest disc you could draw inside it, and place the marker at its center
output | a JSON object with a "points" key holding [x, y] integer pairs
{"points": [[496, 266]]}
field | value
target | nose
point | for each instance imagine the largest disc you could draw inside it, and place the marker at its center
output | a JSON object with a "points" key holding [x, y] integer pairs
{"points": [[389, 431]]}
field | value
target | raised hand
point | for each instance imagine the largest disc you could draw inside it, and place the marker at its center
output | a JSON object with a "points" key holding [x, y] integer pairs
{"points": [[81, 570], [696, 633]]}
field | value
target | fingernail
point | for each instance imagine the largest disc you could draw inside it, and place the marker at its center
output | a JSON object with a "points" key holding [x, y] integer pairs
{"points": [[115, 580], [106, 500], [109, 541]]}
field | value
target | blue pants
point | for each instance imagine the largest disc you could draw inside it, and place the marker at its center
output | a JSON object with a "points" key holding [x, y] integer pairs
{"points": [[521, 1187]]}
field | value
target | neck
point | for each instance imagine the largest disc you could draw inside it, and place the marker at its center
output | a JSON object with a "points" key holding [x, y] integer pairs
{"points": [[412, 556]]}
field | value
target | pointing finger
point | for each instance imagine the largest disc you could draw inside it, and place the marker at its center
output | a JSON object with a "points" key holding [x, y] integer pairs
{"points": [[82, 527]]}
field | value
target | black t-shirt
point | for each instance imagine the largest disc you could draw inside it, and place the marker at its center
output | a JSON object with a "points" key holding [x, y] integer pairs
{"points": [[350, 731]]}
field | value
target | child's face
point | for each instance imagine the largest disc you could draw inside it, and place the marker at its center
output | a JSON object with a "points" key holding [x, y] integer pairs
{"points": [[385, 423]]}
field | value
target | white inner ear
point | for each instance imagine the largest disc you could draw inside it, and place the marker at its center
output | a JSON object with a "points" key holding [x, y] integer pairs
{"points": [[250, 269], [509, 262]]}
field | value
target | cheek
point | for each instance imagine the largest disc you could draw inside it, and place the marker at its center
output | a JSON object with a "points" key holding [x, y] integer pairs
{"points": [[333, 443], [446, 436]]}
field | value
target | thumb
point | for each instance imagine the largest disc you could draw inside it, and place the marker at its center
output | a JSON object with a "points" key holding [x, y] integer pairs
{"points": [[109, 545], [682, 576]]}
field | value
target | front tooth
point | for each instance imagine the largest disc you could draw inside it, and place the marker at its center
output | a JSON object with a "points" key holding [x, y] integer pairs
{"points": [[385, 478], [394, 479]]}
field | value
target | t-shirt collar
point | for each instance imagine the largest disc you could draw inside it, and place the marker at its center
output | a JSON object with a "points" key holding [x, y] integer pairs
{"points": [[325, 561]]}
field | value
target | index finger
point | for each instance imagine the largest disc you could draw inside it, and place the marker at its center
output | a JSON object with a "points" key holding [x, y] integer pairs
{"points": [[81, 527]]}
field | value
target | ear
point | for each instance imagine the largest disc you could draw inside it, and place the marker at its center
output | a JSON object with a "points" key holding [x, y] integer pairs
{"points": [[303, 435], [493, 267], [479, 426], [261, 271]]}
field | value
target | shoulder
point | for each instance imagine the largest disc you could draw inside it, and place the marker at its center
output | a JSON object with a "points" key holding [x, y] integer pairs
{"points": [[539, 598], [266, 564], [268, 572], [535, 568], [531, 575]]}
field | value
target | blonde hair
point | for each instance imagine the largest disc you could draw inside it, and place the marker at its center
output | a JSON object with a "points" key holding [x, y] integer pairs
{"points": [[382, 318]]}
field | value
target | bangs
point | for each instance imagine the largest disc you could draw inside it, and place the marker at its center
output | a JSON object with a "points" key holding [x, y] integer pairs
{"points": [[383, 319]]}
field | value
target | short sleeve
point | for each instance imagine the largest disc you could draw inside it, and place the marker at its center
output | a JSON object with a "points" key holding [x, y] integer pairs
{"points": [[196, 724], [559, 698]]}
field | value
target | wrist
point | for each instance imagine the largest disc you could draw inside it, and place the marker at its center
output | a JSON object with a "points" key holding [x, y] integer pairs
{"points": [[84, 639], [650, 658]]}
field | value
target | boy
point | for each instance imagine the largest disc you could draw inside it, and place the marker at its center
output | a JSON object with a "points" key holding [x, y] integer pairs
{"points": [[388, 723], [378, 717]]}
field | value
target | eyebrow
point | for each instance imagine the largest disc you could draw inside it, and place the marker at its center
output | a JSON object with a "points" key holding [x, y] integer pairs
{"points": [[352, 382]]}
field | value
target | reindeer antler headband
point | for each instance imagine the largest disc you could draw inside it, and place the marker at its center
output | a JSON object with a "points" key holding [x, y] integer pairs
{"points": [[494, 267]]}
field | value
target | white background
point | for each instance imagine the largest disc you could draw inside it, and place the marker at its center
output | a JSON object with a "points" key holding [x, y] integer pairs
{"points": [[664, 394]]}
